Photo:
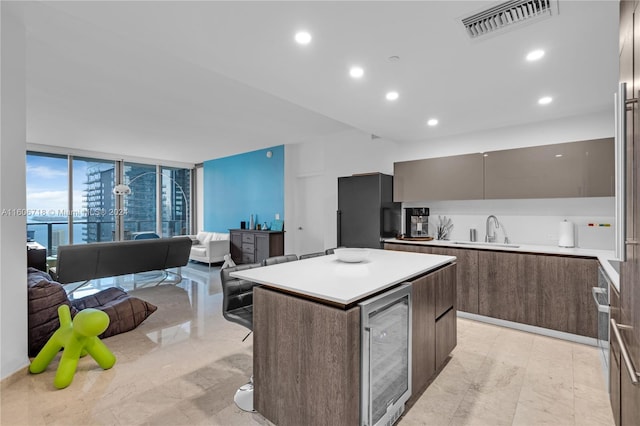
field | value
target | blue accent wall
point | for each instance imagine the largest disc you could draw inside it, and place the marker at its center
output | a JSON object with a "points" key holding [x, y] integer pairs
{"points": [[236, 187]]}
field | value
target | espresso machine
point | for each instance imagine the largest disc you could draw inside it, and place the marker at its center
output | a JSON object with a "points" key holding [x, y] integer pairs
{"points": [[416, 223]]}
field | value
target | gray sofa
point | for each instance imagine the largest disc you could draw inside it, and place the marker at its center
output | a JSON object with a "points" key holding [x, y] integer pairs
{"points": [[84, 262]]}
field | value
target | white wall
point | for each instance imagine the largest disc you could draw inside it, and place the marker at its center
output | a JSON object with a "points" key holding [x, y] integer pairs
{"points": [[584, 127], [527, 221], [534, 221], [340, 154], [13, 259]]}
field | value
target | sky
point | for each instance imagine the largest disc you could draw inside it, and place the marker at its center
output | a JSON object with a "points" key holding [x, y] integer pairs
{"points": [[47, 185]]}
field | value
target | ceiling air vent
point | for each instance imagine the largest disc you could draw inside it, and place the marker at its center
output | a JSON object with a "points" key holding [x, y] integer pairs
{"points": [[508, 14]]}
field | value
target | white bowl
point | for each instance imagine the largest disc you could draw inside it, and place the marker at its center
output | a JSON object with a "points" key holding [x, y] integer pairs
{"points": [[351, 255]]}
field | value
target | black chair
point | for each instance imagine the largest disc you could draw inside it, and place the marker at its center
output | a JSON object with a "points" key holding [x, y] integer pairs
{"points": [[279, 259], [237, 306], [310, 255]]}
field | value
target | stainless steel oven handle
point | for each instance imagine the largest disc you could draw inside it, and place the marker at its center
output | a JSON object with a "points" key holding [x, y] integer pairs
{"points": [[633, 374], [594, 292]]}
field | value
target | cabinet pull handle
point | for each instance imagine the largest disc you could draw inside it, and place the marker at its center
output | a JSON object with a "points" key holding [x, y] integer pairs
{"points": [[631, 241], [594, 292], [633, 374]]}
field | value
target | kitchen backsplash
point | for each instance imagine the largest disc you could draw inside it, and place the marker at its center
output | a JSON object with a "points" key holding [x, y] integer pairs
{"points": [[530, 221]]}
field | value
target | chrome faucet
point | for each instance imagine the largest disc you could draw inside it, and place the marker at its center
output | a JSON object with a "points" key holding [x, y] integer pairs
{"points": [[490, 237]]}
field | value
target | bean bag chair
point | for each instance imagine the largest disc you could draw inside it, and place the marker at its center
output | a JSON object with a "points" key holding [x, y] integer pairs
{"points": [[45, 296]]}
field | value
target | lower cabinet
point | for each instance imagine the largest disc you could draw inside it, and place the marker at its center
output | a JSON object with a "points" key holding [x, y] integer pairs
{"points": [[543, 290], [433, 324], [253, 246], [547, 291], [446, 336], [466, 275], [614, 356], [623, 394]]}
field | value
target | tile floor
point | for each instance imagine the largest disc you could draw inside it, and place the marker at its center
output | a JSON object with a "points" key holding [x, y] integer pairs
{"points": [[184, 363]]}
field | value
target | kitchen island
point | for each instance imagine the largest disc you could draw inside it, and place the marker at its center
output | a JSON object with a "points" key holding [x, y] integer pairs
{"points": [[307, 329]]}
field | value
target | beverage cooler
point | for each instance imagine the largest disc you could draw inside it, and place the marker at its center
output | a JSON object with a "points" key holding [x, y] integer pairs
{"points": [[385, 375]]}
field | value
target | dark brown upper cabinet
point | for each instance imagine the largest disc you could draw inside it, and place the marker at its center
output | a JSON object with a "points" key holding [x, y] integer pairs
{"points": [[447, 178], [575, 169]]}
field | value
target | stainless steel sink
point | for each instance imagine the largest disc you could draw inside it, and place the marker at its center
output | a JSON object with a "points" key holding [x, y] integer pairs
{"points": [[473, 243]]}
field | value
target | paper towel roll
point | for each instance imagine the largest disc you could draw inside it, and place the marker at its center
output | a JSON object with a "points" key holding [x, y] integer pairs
{"points": [[566, 233]]}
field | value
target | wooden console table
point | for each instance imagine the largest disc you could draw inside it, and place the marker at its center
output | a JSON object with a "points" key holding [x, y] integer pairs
{"points": [[253, 246]]}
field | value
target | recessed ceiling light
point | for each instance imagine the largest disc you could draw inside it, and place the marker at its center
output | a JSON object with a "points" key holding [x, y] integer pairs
{"points": [[545, 100], [356, 72], [558, 155], [432, 122], [393, 58], [534, 55], [303, 37], [392, 96]]}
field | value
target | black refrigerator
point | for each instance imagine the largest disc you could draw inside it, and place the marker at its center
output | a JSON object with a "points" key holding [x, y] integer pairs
{"points": [[366, 211]]}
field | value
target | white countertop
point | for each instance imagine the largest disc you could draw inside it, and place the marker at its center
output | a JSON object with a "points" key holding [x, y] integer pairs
{"points": [[327, 278], [603, 256], [522, 248]]}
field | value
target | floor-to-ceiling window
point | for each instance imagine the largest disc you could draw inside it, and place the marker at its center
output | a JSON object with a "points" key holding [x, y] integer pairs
{"points": [[93, 200], [48, 200], [159, 200], [175, 201], [140, 205]]}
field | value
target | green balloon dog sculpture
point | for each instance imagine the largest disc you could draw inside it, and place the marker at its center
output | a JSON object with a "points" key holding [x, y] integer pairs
{"points": [[77, 337]]}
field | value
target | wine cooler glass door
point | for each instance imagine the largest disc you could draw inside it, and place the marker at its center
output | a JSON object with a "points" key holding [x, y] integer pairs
{"points": [[386, 357]]}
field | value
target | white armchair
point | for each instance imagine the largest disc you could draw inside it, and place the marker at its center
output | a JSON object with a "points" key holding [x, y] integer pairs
{"points": [[209, 247]]}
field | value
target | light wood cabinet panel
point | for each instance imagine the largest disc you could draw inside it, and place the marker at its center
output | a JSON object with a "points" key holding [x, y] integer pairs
{"points": [[629, 312], [293, 384], [423, 355], [428, 352], [446, 340], [445, 290], [407, 247], [466, 277], [466, 271], [507, 286], [553, 292], [629, 398], [614, 356], [575, 169], [565, 300], [457, 177]]}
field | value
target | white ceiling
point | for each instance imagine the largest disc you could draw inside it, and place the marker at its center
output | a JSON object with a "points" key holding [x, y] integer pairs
{"points": [[191, 81]]}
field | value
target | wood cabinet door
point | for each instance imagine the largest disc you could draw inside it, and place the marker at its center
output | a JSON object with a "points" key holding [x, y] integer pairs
{"points": [[507, 286], [236, 247], [445, 290], [423, 355], [466, 272], [261, 247], [466, 277], [565, 301], [446, 336], [614, 357]]}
